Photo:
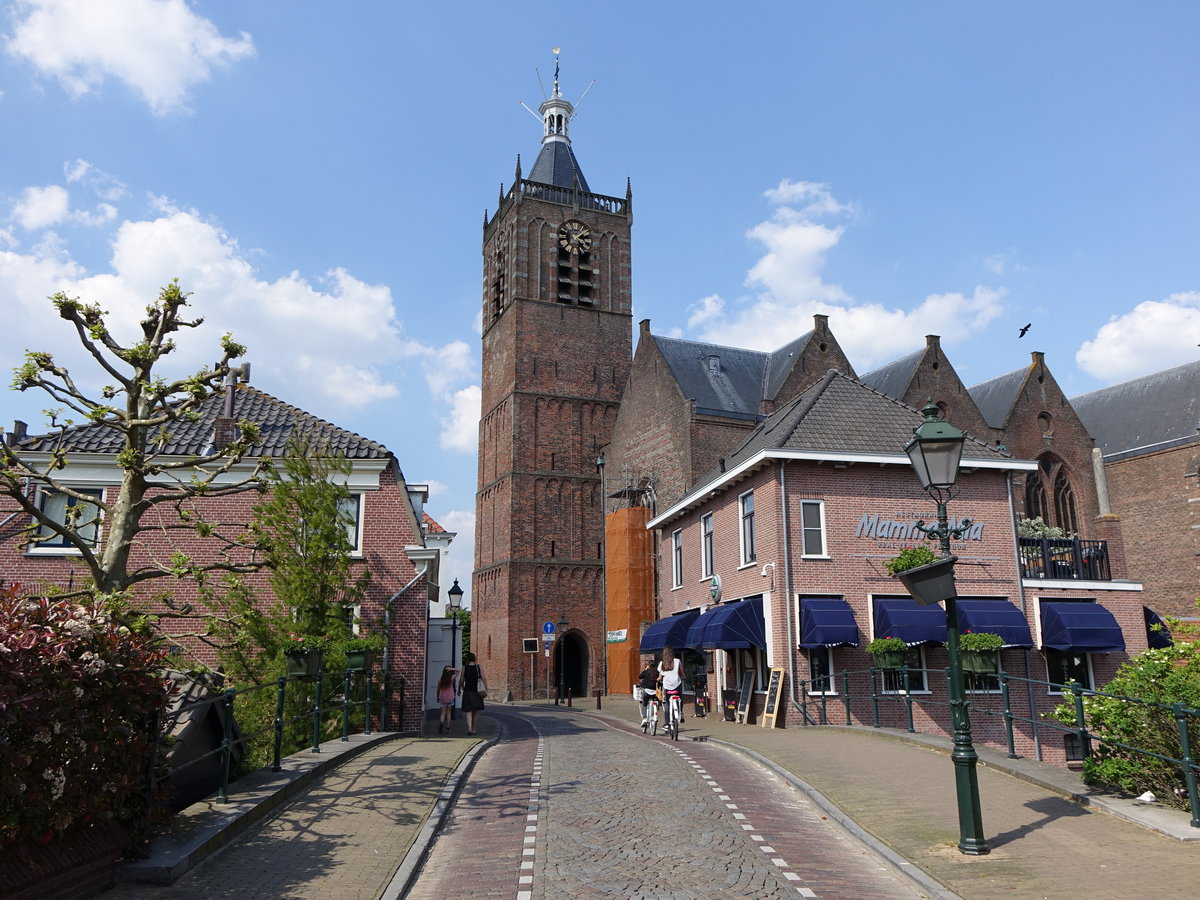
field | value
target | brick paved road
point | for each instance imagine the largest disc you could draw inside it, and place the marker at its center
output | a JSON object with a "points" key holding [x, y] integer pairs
{"points": [[569, 807]]}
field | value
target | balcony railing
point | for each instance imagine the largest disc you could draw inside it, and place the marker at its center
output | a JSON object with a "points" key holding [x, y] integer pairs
{"points": [[1064, 559]]}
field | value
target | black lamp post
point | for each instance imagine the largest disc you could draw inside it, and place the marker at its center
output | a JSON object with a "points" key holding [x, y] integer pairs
{"points": [[453, 604], [935, 451], [563, 625]]}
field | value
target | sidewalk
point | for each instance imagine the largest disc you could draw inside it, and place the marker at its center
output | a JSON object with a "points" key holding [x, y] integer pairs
{"points": [[1050, 835]]}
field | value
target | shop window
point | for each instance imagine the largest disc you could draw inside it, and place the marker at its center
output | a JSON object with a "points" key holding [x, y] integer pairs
{"points": [[812, 525], [746, 503], [677, 558], [983, 682], [706, 546], [895, 680], [77, 515], [751, 660], [1065, 666]]}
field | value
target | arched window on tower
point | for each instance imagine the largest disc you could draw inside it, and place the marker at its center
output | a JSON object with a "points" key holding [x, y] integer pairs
{"points": [[1064, 504]]}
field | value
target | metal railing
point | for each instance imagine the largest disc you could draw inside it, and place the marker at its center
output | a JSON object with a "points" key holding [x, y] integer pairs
{"points": [[356, 705], [815, 709], [1064, 558]]}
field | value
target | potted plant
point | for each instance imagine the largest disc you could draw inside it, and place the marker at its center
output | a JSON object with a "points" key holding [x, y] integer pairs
{"points": [[360, 651], [888, 652], [978, 650], [305, 653], [927, 577]]}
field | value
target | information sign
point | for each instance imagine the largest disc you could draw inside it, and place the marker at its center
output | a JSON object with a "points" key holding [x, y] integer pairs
{"points": [[744, 696], [774, 693]]}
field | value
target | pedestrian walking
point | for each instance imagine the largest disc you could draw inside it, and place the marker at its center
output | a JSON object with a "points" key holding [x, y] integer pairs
{"points": [[445, 697], [473, 689]]}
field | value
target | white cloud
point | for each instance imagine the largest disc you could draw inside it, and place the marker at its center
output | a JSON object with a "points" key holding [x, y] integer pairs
{"points": [[40, 207], [159, 48], [790, 288], [460, 427], [106, 186], [1153, 336]]}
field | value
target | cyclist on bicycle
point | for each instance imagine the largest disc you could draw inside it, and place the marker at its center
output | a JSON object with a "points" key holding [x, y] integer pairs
{"points": [[670, 673], [647, 682]]}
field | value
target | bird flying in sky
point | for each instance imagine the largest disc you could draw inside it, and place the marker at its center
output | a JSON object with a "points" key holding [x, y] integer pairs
{"points": [[1025, 329]]}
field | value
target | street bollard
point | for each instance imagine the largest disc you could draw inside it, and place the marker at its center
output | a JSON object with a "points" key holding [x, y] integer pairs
{"points": [[598, 698]]}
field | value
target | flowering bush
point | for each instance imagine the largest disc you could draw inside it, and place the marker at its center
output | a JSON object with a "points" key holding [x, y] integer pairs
{"points": [[887, 645], [78, 697], [303, 643], [910, 558], [980, 640], [372, 642]]}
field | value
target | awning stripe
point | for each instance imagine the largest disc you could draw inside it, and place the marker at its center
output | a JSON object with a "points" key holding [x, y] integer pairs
{"points": [[904, 618], [730, 626], [1080, 627], [670, 632], [996, 617]]}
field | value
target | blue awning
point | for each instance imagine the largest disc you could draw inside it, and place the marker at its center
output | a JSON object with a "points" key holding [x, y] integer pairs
{"points": [[1080, 627], [669, 632], [827, 622], [1157, 637], [730, 626], [996, 617], [904, 618]]}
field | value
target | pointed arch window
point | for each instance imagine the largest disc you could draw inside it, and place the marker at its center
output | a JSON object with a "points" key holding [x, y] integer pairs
{"points": [[1064, 504], [1036, 505]]}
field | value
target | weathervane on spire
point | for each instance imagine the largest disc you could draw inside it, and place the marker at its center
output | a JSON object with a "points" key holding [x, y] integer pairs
{"points": [[556, 52]]}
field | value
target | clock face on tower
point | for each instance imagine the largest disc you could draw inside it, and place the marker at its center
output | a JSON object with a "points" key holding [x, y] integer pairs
{"points": [[574, 237]]}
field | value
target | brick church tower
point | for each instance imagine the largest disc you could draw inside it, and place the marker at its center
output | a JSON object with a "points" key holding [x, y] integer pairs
{"points": [[557, 347]]}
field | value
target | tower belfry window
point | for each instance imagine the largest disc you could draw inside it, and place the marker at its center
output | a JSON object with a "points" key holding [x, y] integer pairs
{"points": [[576, 274]]}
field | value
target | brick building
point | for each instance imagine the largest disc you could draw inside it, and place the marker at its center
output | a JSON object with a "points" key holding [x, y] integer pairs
{"points": [[387, 534]]}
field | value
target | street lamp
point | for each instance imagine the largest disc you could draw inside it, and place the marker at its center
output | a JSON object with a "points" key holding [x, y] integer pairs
{"points": [[453, 604], [936, 451], [563, 625]]}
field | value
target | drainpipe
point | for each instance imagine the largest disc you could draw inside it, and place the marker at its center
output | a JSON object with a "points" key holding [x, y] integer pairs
{"points": [[1012, 517], [787, 585]]}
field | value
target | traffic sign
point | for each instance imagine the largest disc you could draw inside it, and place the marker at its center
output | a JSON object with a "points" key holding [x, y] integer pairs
{"points": [[547, 628]]}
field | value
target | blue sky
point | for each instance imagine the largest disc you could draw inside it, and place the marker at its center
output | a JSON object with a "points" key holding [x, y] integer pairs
{"points": [[317, 174]]}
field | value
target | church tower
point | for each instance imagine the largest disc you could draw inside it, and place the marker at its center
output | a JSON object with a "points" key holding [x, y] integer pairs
{"points": [[557, 347]]}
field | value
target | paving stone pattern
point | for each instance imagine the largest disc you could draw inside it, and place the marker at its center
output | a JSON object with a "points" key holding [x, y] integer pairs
{"points": [[569, 807]]}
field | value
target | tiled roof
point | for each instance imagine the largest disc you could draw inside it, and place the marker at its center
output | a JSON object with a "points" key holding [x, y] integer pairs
{"points": [[723, 381], [430, 525], [779, 365], [556, 164], [894, 378], [995, 398], [1147, 414], [840, 415], [277, 421]]}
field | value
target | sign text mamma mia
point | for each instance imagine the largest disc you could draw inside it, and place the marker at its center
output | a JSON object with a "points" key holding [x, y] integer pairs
{"points": [[881, 529]]}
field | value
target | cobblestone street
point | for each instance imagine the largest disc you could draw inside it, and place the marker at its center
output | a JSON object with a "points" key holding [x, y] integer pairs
{"points": [[569, 807]]}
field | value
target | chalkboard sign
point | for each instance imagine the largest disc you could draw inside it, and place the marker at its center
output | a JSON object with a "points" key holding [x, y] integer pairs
{"points": [[744, 696], [774, 693]]}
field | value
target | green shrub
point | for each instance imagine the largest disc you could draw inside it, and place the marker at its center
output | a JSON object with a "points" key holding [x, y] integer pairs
{"points": [[78, 698], [910, 558], [981, 641], [1166, 676]]}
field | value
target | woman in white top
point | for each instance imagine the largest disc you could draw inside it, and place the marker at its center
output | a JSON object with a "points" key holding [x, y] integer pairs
{"points": [[670, 670]]}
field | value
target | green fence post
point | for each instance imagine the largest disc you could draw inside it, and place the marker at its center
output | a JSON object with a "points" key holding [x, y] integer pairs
{"points": [[874, 697], [367, 700], [1005, 697], [316, 731], [226, 745], [1085, 739], [907, 697], [279, 692], [846, 694], [1186, 760], [346, 706]]}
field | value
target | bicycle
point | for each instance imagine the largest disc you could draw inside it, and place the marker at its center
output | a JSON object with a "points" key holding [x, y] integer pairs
{"points": [[650, 710], [674, 712]]}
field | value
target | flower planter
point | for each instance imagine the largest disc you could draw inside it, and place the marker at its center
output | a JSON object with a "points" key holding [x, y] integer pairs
{"points": [[932, 583], [359, 660], [304, 662], [978, 661], [889, 659]]}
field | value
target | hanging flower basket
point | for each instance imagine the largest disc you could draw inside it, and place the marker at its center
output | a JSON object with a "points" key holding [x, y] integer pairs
{"points": [[888, 652], [978, 651], [304, 662], [931, 583], [359, 660]]}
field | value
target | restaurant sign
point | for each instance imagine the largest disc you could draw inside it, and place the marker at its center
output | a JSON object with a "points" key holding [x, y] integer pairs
{"points": [[902, 530]]}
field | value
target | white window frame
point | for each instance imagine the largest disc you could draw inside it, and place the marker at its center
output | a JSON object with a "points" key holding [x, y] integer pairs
{"points": [[677, 558], [1090, 684], [55, 544], [890, 683], [805, 529], [707, 551], [746, 529], [354, 531], [826, 653]]}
